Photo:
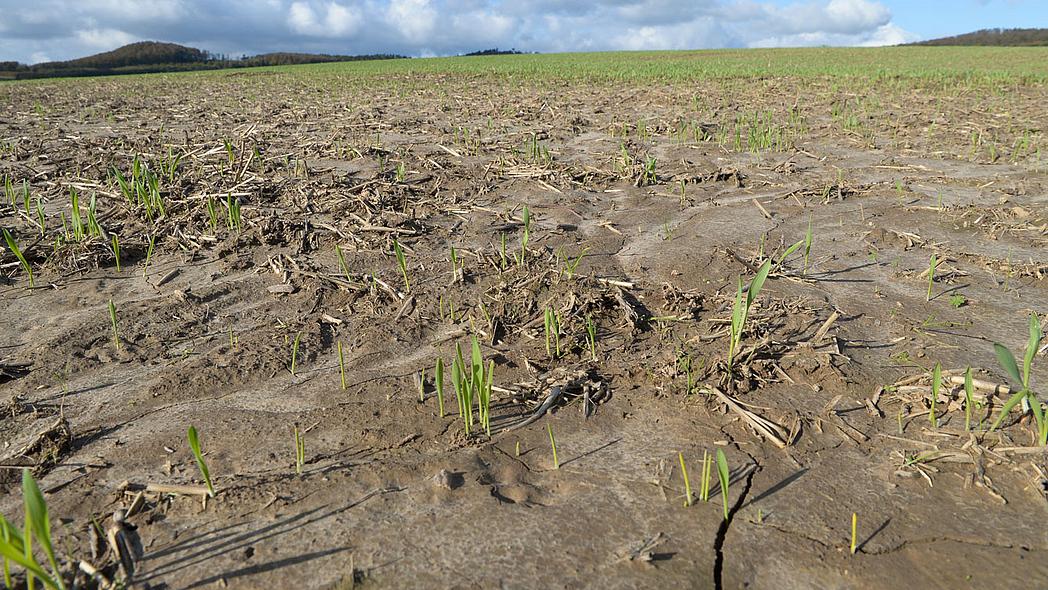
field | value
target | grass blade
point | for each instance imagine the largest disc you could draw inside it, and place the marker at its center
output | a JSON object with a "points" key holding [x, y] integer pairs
{"points": [[194, 445]]}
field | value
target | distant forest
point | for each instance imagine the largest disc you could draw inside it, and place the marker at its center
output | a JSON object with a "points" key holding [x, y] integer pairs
{"points": [[996, 38], [151, 56]]}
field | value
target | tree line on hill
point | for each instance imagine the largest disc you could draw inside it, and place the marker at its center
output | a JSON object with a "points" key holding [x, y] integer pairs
{"points": [[151, 56], [996, 38]]}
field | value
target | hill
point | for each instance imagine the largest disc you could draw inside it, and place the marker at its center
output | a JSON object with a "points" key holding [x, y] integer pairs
{"points": [[996, 38], [152, 56]]}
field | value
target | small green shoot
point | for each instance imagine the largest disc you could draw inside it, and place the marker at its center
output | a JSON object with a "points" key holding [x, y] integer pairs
{"points": [[807, 245], [294, 352], [742, 308], [854, 531], [932, 263], [687, 483], [958, 301], [553, 445], [149, 254], [112, 320], [300, 450], [116, 251], [936, 384], [591, 336], [552, 333], [1007, 361], [969, 389], [438, 382], [707, 476], [722, 475], [342, 365], [194, 445], [13, 246], [402, 263], [527, 235]]}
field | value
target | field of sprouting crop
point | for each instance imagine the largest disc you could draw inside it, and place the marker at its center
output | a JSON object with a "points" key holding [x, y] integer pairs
{"points": [[719, 319]]}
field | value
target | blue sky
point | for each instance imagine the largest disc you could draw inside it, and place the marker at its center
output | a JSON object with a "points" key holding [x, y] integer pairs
{"points": [[41, 30]]}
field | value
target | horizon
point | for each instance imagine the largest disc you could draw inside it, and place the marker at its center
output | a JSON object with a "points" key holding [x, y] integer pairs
{"points": [[60, 30]]}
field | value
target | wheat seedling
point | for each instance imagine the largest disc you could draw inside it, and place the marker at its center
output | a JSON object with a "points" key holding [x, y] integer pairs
{"points": [[402, 263], [294, 352], [527, 235], [194, 445], [968, 391], [300, 450], [807, 246], [722, 474], [116, 251], [936, 384], [552, 333], [342, 366], [742, 309], [932, 263], [1007, 361], [707, 474], [854, 529], [16, 546], [553, 445], [112, 320], [149, 254], [687, 483], [591, 335], [438, 383], [13, 246]]}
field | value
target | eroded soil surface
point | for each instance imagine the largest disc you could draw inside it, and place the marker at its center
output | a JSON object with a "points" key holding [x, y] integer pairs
{"points": [[837, 353]]}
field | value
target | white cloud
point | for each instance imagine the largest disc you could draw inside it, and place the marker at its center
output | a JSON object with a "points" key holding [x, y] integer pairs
{"points": [[64, 29], [104, 39], [328, 20]]}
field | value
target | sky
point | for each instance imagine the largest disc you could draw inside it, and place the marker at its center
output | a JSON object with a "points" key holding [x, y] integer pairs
{"points": [[44, 30]]}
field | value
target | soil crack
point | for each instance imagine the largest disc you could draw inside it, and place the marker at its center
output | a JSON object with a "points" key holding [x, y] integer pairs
{"points": [[722, 531]]}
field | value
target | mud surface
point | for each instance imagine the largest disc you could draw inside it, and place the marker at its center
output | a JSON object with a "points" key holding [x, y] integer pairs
{"points": [[837, 352]]}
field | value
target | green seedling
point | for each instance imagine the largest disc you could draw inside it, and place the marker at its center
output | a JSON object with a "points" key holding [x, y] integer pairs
{"points": [[75, 220], [505, 261], [402, 263], [649, 175], [707, 476], [116, 251], [854, 531], [807, 245], [687, 483], [936, 384], [294, 352], [232, 337], [932, 263], [591, 336], [553, 445], [342, 262], [300, 450], [958, 301], [785, 253], [212, 215], [13, 247], [194, 445], [527, 235], [232, 213], [41, 220], [473, 382], [552, 333], [16, 546], [571, 266], [342, 366], [149, 254], [438, 383], [112, 320], [93, 227], [742, 309], [722, 475], [969, 389], [402, 172], [1025, 394], [422, 387]]}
